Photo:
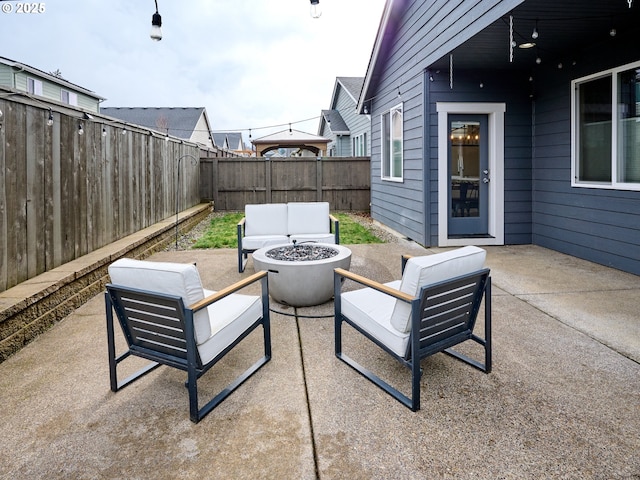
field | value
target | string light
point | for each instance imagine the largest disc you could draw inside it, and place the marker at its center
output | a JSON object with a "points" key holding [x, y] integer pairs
{"points": [[80, 129], [156, 24], [50, 119], [316, 11]]}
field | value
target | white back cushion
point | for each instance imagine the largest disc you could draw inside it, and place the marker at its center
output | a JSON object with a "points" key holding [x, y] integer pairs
{"points": [[266, 219], [430, 269], [311, 217], [180, 279]]}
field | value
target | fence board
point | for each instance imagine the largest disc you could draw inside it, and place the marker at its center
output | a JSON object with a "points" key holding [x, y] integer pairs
{"points": [[63, 195], [3, 206], [232, 183]]}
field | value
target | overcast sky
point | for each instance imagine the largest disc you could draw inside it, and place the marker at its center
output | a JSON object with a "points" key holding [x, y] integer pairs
{"points": [[250, 63]]}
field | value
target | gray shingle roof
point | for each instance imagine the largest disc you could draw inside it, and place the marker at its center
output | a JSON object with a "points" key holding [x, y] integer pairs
{"points": [[336, 123], [181, 122], [353, 85], [234, 140]]}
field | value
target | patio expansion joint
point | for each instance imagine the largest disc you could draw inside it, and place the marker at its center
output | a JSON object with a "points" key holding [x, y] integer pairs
{"points": [[306, 394]]}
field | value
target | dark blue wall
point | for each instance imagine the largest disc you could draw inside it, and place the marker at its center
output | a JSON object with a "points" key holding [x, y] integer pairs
{"points": [[599, 225]]}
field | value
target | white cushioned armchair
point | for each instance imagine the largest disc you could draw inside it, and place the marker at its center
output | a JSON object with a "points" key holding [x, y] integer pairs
{"points": [[169, 318], [431, 309]]}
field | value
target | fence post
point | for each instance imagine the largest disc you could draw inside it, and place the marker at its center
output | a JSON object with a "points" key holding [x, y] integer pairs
{"points": [[214, 179], [319, 179], [267, 179]]}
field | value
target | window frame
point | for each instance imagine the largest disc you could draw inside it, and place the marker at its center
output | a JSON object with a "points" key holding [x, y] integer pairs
{"points": [[387, 153], [72, 97], [614, 183], [359, 145], [37, 86]]}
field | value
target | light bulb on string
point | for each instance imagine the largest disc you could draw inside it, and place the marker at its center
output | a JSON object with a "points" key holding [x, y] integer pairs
{"points": [[156, 24], [315, 11]]}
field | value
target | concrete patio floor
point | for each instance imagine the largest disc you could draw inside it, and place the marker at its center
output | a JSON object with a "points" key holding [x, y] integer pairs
{"points": [[563, 400]]}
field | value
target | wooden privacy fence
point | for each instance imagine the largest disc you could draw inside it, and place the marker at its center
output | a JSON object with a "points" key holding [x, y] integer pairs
{"points": [[64, 194], [232, 183]]}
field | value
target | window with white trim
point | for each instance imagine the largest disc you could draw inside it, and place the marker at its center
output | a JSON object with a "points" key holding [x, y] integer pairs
{"points": [[70, 98], [606, 129], [392, 149], [34, 87], [359, 146]]}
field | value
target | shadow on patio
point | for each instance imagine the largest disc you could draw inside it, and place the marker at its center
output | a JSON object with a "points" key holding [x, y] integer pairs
{"points": [[563, 400]]}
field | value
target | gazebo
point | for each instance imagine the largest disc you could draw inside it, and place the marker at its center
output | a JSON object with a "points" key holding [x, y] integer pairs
{"points": [[291, 139]]}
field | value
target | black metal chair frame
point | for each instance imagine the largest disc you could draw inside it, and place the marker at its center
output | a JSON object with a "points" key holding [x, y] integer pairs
{"points": [[451, 308], [158, 327]]}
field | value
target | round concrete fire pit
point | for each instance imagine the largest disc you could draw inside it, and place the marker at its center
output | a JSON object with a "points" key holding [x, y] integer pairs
{"points": [[301, 275]]}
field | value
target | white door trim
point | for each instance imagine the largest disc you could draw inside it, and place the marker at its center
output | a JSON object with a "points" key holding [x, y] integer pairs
{"points": [[495, 112]]}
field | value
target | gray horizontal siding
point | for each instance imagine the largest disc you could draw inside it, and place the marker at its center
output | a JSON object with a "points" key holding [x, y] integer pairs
{"points": [[599, 225], [511, 90]]}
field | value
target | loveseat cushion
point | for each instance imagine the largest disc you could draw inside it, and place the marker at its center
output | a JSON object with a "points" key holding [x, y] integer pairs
{"points": [[265, 219], [314, 237], [308, 218], [180, 279], [430, 269], [260, 241]]}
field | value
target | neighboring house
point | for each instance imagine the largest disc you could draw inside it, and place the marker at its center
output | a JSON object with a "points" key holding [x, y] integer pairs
{"points": [[230, 141], [188, 123], [349, 132], [49, 86], [486, 133]]}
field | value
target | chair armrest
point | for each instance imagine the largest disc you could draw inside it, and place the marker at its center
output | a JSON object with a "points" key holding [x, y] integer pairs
{"points": [[205, 302], [375, 285], [240, 228], [334, 226], [405, 258]]}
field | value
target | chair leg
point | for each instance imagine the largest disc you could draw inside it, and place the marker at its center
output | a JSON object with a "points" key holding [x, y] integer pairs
{"points": [[115, 360], [242, 260], [395, 393], [196, 414]]}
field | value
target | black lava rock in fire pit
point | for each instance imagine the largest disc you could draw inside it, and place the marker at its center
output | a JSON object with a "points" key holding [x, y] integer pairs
{"points": [[301, 253]]}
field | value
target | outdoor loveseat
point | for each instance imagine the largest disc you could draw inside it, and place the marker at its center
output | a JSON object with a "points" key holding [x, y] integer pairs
{"points": [[277, 223]]}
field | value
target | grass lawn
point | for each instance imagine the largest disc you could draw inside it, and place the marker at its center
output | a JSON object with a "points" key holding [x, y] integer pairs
{"points": [[222, 233]]}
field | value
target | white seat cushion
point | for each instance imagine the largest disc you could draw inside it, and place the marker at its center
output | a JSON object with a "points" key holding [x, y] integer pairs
{"points": [[430, 269], [265, 219], [371, 310], [229, 318], [180, 279], [255, 242], [308, 217], [314, 237]]}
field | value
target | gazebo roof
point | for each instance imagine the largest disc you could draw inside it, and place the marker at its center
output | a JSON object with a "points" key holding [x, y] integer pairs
{"points": [[291, 138]]}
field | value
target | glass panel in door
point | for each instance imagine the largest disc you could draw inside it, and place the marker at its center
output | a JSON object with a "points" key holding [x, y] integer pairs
{"points": [[468, 176]]}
